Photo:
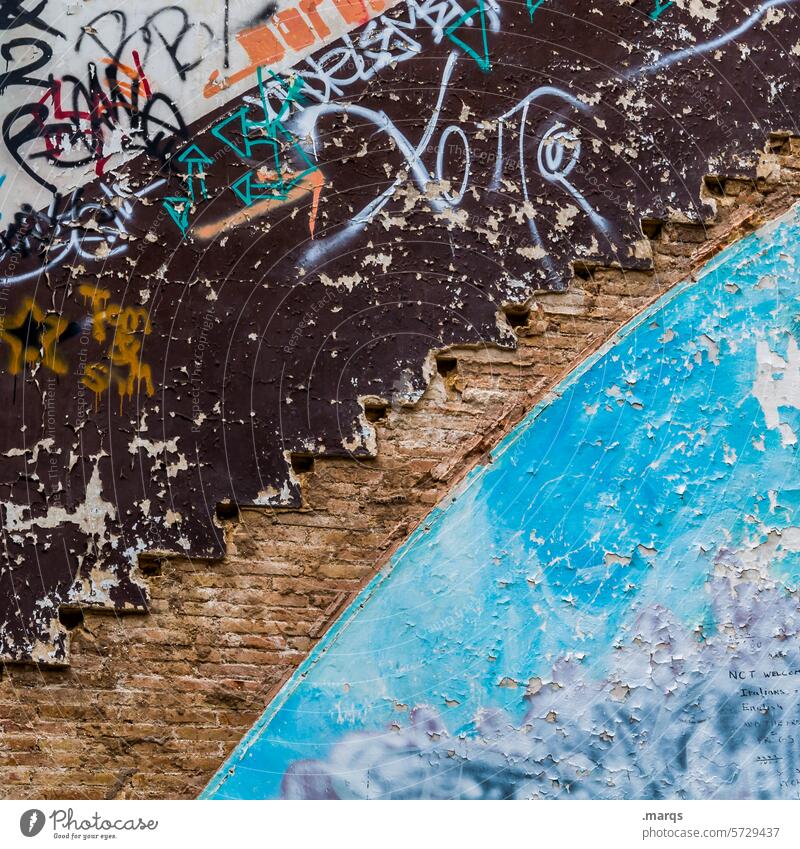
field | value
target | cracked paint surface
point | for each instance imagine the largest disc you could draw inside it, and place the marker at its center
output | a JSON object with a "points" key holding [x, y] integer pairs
{"points": [[225, 228], [609, 609]]}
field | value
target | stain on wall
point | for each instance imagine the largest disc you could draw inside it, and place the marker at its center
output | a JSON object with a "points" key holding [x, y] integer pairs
{"points": [[224, 229], [608, 609]]}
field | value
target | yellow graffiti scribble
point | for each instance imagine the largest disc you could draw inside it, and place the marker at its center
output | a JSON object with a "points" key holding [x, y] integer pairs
{"points": [[47, 328], [125, 350]]}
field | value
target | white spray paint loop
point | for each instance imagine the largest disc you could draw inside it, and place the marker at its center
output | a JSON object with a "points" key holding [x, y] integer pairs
{"points": [[453, 198]]}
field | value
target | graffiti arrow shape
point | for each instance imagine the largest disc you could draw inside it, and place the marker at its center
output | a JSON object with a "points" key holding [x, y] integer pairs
{"points": [[193, 154]]}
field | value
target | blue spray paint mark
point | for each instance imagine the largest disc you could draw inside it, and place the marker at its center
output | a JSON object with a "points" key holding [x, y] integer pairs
{"points": [[179, 207], [577, 618], [196, 162], [533, 5], [268, 131], [660, 7], [481, 54]]}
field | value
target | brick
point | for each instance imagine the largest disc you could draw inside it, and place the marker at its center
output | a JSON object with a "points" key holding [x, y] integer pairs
{"points": [[153, 703]]}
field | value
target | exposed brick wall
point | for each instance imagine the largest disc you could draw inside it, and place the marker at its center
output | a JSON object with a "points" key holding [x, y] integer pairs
{"points": [[151, 704]]}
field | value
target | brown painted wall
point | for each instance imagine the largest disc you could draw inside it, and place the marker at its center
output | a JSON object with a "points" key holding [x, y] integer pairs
{"points": [[299, 231], [151, 703]]}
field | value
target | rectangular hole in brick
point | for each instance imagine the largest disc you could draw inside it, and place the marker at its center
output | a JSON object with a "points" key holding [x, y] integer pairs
{"points": [[70, 617], [779, 143], [302, 463], [517, 315], [150, 568], [582, 270], [375, 411], [446, 365], [651, 227], [227, 510], [715, 186]]}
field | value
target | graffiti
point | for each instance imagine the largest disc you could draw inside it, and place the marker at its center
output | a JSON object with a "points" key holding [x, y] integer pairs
{"points": [[551, 158], [311, 183], [33, 337], [306, 127], [293, 29], [18, 77], [274, 180], [633, 553], [74, 122], [67, 121], [385, 33], [533, 6], [659, 9], [58, 120], [243, 279], [557, 144], [81, 134], [195, 161], [13, 14], [277, 181], [179, 207], [154, 30], [127, 325], [715, 43], [84, 229], [115, 109], [379, 45], [387, 40], [481, 54]]}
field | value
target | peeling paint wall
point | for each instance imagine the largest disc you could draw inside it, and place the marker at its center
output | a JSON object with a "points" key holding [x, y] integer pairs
{"points": [[209, 260], [609, 608]]}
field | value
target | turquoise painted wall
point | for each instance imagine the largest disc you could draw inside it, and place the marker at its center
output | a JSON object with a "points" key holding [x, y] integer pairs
{"points": [[606, 609]]}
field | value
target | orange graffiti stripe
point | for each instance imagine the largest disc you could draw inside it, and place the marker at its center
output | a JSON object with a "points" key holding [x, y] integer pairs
{"points": [[312, 182], [299, 33]]}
